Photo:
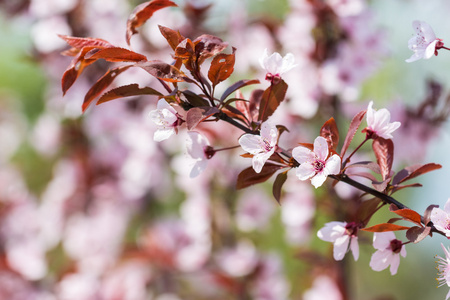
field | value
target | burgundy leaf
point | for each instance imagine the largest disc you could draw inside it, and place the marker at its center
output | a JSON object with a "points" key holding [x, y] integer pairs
{"points": [[237, 85], [254, 103], [278, 185], [115, 54], [207, 46], [414, 171], [80, 43], [249, 177], [354, 125], [383, 227], [222, 66], [407, 214], [162, 70], [416, 234], [127, 91], [368, 208], [198, 114], [173, 37], [330, 132], [142, 13], [75, 68], [384, 152], [194, 99], [271, 99]]}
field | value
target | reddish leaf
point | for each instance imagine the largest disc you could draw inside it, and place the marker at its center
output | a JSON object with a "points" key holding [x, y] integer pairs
{"points": [[384, 152], [185, 49], [249, 177], [416, 234], [383, 227], [278, 184], [271, 99], [142, 13], [115, 54], [237, 85], [366, 164], [75, 68], [127, 91], [222, 66], [173, 37], [427, 214], [401, 187], [414, 171], [194, 99], [162, 70], [207, 46], [198, 114], [368, 208], [380, 186], [354, 125], [254, 103], [330, 132], [80, 43], [407, 214], [101, 85]]}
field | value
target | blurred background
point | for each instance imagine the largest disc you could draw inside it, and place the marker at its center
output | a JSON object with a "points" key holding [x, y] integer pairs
{"points": [[92, 208]]}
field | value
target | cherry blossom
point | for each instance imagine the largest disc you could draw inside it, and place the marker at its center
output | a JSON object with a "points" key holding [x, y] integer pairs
{"points": [[199, 149], [378, 123], [344, 237], [262, 147], [166, 119], [323, 287], [275, 65], [388, 252], [444, 269], [441, 218], [424, 43], [314, 164]]}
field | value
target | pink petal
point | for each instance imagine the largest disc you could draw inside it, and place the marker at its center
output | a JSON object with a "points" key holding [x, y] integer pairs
{"points": [[395, 262], [333, 165], [251, 143], [303, 155], [305, 171], [341, 247], [331, 231], [163, 134], [354, 247], [319, 179], [321, 148], [382, 240], [380, 260], [259, 160]]}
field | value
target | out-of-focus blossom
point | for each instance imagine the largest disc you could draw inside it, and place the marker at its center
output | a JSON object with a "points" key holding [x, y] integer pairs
{"points": [[276, 65], [45, 34], [444, 269], [261, 146], [47, 8], [341, 234], [388, 252], [424, 43], [323, 288], [345, 8], [198, 148], [166, 118], [239, 261], [254, 210], [316, 164], [46, 134], [271, 283], [378, 123], [79, 286], [441, 218]]}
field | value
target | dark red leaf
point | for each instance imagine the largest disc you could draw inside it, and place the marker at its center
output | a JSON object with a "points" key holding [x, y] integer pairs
{"points": [[383, 227], [75, 68], [80, 43], [173, 37], [278, 185], [237, 85], [115, 54], [254, 103], [401, 187], [194, 99], [416, 234], [384, 152], [330, 132], [271, 99], [354, 125], [366, 164], [198, 114], [222, 66], [414, 171], [407, 214], [101, 85], [142, 13], [162, 70], [367, 208], [249, 177], [207, 46], [380, 185], [427, 214], [127, 91]]}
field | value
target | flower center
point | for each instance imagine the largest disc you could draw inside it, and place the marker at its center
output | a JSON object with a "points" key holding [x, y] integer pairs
{"points": [[396, 246], [352, 228], [318, 165], [265, 144]]}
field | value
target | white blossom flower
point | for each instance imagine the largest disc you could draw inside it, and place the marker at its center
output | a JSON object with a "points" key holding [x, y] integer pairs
{"points": [[261, 146], [166, 119], [444, 269], [388, 252], [424, 43], [441, 218], [198, 148], [275, 65], [378, 122], [341, 234], [314, 164]]}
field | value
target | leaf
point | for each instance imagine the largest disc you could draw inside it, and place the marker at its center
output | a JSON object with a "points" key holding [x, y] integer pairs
{"points": [[194, 99], [75, 68], [80, 43], [401, 187], [414, 171], [115, 54], [271, 99], [330, 132], [278, 184], [173, 37], [142, 13], [368, 208], [380, 185], [162, 70], [427, 214], [237, 85], [384, 152], [354, 125], [222, 66], [207, 46], [383, 227], [254, 103], [249, 177], [416, 234], [198, 114], [127, 91], [407, 214], [101, 85]]}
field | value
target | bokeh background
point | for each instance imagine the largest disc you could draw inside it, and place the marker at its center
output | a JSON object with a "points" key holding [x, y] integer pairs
{"points": [[92, 208]]}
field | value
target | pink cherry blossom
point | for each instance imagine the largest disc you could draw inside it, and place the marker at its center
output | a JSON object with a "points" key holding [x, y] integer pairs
{"points": [[166, 119], [424, 43], [276, 65], [262, 147], [388, 252], [314, 164], [378, 123], [341, 234], [198, 148], [323, 288], [441, 218], [444, 269]]}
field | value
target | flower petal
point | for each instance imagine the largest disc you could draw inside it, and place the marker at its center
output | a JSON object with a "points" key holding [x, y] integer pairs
{"points": [[163, 134], [354, 247], [331, 231], [382, 240], [319, 179], [251, 143], [333, 165], [259, 160], [305, 171], [341, 247], [303, 155], [198, 168], [380, 260], [321, 148]]}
